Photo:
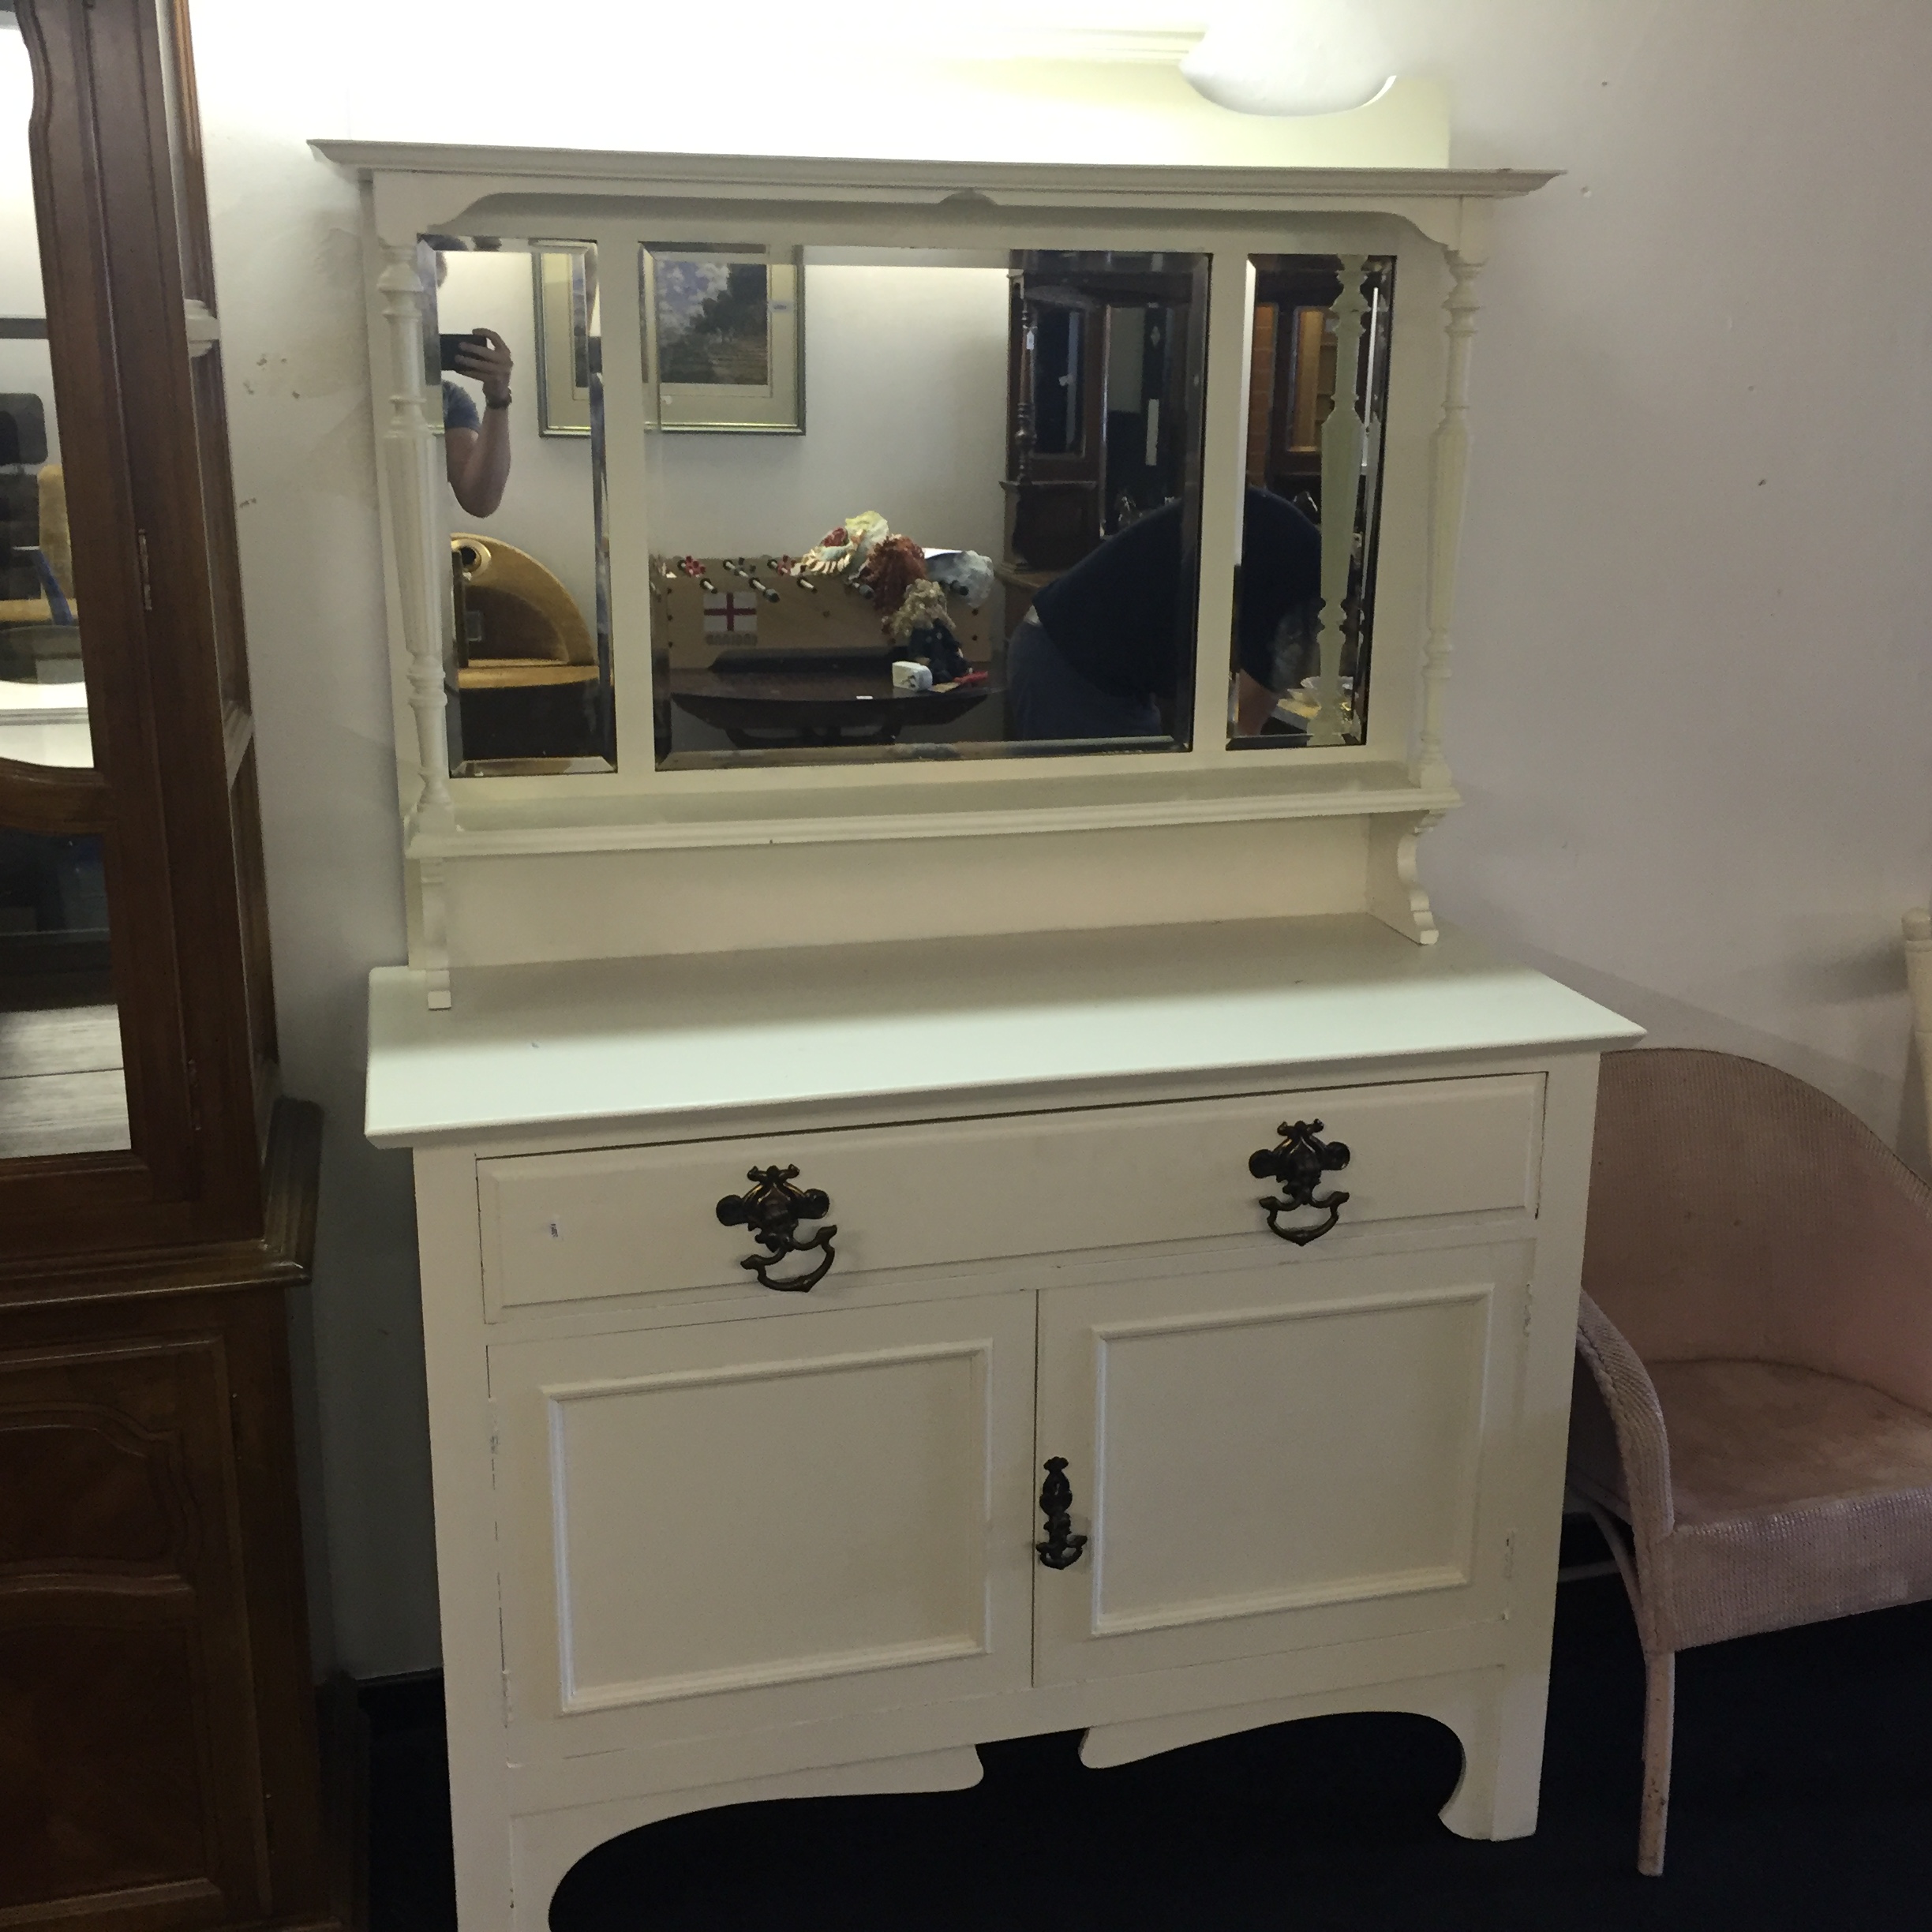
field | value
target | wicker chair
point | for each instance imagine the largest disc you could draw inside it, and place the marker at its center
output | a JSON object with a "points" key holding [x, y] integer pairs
{"points": [[1753, 1421]]}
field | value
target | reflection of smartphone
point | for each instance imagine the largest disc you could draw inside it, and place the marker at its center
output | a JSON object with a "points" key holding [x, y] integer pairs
{"points": [[451, 343]]}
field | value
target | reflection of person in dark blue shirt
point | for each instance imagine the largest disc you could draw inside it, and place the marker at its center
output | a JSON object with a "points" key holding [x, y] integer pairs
{"points": [[1102, 645], [477, 448]]}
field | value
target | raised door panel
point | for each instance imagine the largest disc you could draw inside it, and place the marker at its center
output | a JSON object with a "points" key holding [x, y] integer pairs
{"points": [[557, 1227], [130, 1796], [106, 1803], [1271, 1459], [709, 1527]]}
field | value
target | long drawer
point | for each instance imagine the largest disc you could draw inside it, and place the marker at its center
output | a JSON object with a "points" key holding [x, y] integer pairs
{"points": [[637, 1220]]}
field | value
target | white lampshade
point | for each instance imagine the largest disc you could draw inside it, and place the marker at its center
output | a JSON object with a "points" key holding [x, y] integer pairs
{"points": [[1291, 57]]}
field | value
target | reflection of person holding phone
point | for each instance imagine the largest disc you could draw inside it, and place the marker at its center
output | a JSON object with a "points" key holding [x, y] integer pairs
{"points": [[477, 447]]}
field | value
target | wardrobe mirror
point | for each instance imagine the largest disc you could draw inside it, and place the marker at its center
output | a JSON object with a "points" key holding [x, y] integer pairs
{"points": [[62, 1087]]}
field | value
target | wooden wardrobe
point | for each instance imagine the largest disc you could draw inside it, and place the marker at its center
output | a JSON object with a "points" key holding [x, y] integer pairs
{"points": [[157, 1734]]}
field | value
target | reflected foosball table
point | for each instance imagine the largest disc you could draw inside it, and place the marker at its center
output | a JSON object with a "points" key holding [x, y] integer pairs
{"points": [[775, 662], [772, 699]]}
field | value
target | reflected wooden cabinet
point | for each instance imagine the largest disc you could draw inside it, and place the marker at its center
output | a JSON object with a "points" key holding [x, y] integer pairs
{"points": [[157, 1738], [1104, 381]]}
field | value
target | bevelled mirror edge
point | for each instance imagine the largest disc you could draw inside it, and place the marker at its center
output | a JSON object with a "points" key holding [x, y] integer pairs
{"points": [[514, 410], [1316, 436]]}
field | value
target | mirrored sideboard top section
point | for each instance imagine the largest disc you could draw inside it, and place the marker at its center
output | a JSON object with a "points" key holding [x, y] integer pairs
{"points": [[897, 504]]}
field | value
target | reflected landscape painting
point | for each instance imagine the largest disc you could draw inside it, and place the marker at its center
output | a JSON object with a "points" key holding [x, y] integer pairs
{"points": [[713, 321], [725, 338]]}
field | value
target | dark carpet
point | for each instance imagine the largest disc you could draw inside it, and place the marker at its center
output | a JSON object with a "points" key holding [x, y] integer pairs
{"points": [[1802, 1803]]}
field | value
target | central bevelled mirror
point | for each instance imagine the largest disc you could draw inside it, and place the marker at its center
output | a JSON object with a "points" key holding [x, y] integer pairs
{"points": [[911, 505]]}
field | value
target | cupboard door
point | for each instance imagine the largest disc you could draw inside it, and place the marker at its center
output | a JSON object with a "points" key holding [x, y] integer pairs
{"points": [[130, 1792], [1278, 1457], [764, 1521]]}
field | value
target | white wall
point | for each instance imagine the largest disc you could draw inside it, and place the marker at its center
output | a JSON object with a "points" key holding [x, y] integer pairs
{"points": [[1692, 703], [905, 405], [1693, 699], [288, 260]]}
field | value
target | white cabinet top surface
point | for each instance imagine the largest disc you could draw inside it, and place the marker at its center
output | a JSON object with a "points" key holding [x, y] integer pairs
{"points": [[672, 1044]]}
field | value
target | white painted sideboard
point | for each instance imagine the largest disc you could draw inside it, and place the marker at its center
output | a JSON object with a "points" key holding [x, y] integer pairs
{"points": [[1028, 1018], [701, 1542]]}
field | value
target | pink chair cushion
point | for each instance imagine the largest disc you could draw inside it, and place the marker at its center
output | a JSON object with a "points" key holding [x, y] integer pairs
{"points": [[1747, 1436], [1799, 1496]]}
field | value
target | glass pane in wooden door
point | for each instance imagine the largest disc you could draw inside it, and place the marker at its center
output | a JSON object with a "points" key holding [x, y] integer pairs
{"points": [[43, 711], [62, 1088]]}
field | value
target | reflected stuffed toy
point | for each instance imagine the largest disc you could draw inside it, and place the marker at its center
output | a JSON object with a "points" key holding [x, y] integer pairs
{"points": [[896, 563], [965, 574], [920, 628], [842, 551], [912, 608]]}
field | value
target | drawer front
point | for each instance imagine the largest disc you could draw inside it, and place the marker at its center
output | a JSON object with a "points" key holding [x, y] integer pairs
{"points": [[625, 1221]]}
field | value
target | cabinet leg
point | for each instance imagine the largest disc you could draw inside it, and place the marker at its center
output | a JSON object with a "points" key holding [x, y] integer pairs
{"points": [[1501, 1728]]}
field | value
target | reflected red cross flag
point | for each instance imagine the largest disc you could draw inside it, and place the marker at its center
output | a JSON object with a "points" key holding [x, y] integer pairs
{"points": [[728, 614]]}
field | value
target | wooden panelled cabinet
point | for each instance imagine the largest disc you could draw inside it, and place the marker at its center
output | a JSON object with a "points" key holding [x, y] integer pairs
{"points": [[158, 1730], [159, 1762]]}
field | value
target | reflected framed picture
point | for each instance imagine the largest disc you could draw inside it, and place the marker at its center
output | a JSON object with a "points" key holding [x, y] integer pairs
{"points": [[566, 328], [724, 338]]}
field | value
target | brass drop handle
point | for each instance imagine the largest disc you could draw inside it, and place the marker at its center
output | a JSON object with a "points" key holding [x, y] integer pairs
{"points": [[772, 1208], [1297, 1165], [1061, 1549]]}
